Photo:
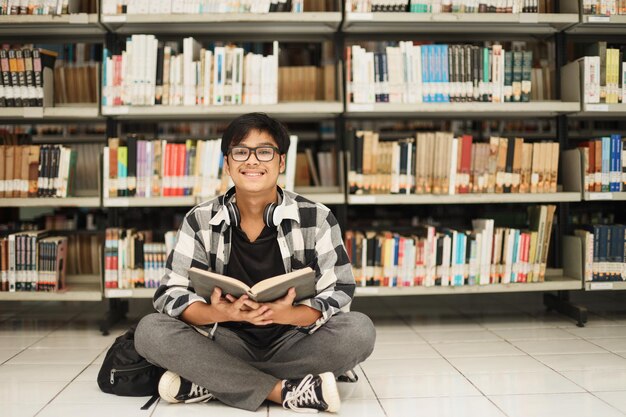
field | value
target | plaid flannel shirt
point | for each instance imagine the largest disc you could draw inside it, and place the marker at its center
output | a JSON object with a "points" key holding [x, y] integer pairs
{"points": [[308, 235]]}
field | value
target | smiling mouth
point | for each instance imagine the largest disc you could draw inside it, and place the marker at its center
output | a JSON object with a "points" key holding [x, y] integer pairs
{"points": [[253, 174]]}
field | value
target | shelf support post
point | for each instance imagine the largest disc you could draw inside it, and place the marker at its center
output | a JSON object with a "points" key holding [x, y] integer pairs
{"points": [[562, 304]]}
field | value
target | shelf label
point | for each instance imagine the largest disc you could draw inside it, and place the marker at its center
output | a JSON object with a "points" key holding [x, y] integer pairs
{"points": [[121, 18], [364, 199], [597, 107], [600, 196], [33, 112], [116, 202], [444, 17], [79, 18], [360, 107], [361, 16], [529, 17], [117, 293], [599, 19], [115, 110], [601, 286], [366, 290]]}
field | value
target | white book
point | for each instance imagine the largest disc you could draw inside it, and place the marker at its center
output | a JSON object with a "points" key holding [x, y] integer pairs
{"points": [[290, 169], [395, 167], [452, 168], [149, 168], [191, 54], [208, 62], [238, 77]]}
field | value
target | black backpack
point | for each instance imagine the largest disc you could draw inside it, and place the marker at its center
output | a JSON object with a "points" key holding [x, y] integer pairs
{"points": [[125, 372]]}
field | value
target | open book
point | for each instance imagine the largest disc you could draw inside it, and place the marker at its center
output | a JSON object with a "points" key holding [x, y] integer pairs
{"points": [[268, 290]]}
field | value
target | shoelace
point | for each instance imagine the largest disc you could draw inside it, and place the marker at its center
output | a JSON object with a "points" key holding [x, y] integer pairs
{"points": [[302, 395], [198, 394]]}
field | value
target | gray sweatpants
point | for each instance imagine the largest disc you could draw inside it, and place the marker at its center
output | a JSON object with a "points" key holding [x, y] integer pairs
{"points": [[241, 375]]}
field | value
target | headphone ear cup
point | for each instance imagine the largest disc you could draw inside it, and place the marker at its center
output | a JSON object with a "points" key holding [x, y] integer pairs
{"points": [[233, 214], [268, 215]]}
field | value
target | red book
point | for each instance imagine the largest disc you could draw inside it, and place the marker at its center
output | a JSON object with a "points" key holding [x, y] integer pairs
{"points": [[463, 178]]}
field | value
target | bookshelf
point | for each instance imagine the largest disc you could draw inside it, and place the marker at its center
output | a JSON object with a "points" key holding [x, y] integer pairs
{"points": [[313, 23], [187, 201], [87, 202], [68, 113], [284, 111], [471, 109], [319, 25], [594, 25], [75, 24], [555, 281], [560, 197], [605, 286], [459, 23], [79, 288]]}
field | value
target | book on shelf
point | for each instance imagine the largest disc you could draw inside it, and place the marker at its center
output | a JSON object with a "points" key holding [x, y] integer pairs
{"points": [[26, 77], [33, 261], [441, 256], [603, 165], [265, 291], [132, 259], [143, 7], [37, 171], [149, 73], [603, 252], [77, 74], [440, 164], [604, 7], [409, 72], [136, 167], [449, 6], [319, 169], [47, 7], [601, 73]]}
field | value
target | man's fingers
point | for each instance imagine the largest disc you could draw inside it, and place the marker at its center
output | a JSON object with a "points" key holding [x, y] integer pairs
{"points": [[240, 302], [216, 295], [230, 298], [252, 304]]}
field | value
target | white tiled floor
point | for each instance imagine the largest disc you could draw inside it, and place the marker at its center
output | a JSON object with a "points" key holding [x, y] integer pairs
{"points": [[461, 356]]}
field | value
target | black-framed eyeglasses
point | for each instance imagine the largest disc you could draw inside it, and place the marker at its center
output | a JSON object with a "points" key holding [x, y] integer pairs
{"points": [[262, 153]]}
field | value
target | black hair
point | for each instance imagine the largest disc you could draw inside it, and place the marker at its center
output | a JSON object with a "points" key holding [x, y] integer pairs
{"points": [[241, 127]]}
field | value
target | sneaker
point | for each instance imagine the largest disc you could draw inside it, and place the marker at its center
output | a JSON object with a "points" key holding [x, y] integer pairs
{"points": [[176, 389], [311, 394]]}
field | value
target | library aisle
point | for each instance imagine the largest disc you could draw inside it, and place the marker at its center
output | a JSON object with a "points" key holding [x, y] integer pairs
{"points": [[464, 355]]}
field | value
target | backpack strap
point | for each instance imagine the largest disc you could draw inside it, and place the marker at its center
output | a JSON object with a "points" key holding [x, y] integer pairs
{"points": [[151, 401]]}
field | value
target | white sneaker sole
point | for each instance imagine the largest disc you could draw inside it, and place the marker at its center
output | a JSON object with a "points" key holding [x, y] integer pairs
{"points": [[166, 387], [331, 394]]}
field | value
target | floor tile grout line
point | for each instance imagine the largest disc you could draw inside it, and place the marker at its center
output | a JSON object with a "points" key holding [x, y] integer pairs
{"points": [[380, 404]]}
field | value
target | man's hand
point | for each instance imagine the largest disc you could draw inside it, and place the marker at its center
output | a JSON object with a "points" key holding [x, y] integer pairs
{"points": [[283, 309], [241, 309]]}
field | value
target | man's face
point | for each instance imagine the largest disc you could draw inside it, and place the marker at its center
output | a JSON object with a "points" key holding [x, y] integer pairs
{"points": [[254, 175]]}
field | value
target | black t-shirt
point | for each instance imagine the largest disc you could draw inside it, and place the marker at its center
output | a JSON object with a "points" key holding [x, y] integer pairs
{"points": [[252, 262]]}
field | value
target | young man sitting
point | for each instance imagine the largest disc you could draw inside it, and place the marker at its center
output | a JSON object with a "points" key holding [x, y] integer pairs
{"points": [[236, 350]]}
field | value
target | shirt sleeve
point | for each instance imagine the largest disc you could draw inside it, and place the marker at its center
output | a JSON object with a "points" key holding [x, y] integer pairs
{"points": [[175, 293], [335, 282]]}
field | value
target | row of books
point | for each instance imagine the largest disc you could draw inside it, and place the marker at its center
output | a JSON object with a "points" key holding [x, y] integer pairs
{"points": [[22, 80], [149, 73], [32, 261], [447, 257], [150, 168], [144, 168], [200, 6], [604, 255], [37, 171], [603, 77], [604, 164], [132, 260], [438, 163], [604, 7], [412, 73], [306, 83], [320, 170], [448, 6], [76, 84], [43, 7]]}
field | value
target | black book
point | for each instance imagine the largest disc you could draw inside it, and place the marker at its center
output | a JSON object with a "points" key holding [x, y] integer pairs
{"points": [[371, 259], [15, 78], [54, 171], [131, 177], [510, 154], [476, 71], [467, 71], [352, 167], [21, 77], [3, 101], [30, 77], [6, 78], [403, 167], [158, 96], [43, 154]]}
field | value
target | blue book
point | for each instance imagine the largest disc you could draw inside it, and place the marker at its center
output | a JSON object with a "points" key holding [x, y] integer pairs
{"points": [[445, 76], [616, 158], [438, 73], [425, 73], [516, 242]]}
